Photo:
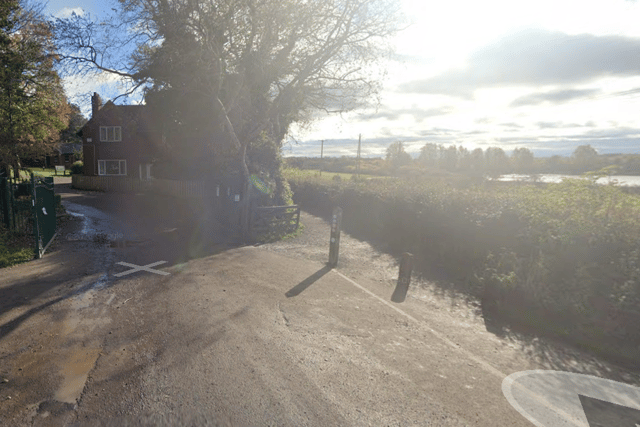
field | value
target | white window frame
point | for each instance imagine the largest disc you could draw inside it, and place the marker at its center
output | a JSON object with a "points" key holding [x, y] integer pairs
{"points": [[102, 167], [110, 134]]}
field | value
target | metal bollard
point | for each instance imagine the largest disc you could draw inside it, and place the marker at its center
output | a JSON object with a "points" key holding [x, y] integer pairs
{"points": [[334, 245]]}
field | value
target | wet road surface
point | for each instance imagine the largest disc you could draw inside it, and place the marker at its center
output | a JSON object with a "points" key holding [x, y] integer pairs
{"points": [[240, 336]]}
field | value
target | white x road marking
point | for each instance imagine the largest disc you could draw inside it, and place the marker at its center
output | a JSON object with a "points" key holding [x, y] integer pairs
{"points": [[141, 268]]}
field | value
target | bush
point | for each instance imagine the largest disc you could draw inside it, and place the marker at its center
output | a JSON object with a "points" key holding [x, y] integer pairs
{"points": [[76, 168], [571, 250]]}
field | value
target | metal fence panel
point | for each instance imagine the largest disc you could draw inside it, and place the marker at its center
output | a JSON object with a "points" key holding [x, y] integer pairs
{"points": [[44, 212]]}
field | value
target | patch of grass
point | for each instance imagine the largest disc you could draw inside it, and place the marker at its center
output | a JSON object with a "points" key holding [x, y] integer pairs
{"points": [[295, 233], [306, 174], [44, 172], [14, 249], [276, 234]]}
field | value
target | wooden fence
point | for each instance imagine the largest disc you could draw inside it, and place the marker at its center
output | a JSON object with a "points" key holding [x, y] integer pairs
{"points": [[274, 219]]}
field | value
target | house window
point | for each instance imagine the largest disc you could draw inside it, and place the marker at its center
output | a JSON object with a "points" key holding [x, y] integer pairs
{"points": [[112, 167], [67, 157], [110, 133]]}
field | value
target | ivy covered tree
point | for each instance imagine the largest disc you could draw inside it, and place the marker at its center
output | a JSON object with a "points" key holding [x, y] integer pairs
{"points": [[33, 106], [76, 121], [236, 74]]}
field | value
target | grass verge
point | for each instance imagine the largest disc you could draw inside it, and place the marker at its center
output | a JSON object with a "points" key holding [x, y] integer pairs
{"points": [[14, 249]]}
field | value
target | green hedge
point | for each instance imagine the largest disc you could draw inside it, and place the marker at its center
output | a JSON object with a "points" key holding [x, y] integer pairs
{"points": [[76, 168], [566, 254]]}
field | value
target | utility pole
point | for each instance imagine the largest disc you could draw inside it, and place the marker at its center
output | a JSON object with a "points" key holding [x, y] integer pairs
{"points": [[358, 159], [321, 154]]}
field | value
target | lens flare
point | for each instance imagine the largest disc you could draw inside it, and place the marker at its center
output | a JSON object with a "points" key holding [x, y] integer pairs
{"points": [[259, 184]]}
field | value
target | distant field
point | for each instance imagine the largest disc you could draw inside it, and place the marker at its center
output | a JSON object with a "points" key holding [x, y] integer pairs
{"points": [[293, 173]]}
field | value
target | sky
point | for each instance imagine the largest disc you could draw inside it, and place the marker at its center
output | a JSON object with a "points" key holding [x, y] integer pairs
{"points": [[548, 75]]}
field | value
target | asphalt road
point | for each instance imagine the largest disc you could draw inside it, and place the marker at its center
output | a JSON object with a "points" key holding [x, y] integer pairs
{"points": [[244, 336]]}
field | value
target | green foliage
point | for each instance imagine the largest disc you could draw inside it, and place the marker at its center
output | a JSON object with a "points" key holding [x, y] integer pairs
{"points": [[571, 250], [397, 156], [13, 251], [33, 106], [76, 168], [233, 76]]}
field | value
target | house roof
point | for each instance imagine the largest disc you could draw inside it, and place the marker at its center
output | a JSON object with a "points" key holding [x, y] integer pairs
{"points": [[132, 113], [68, 148]]}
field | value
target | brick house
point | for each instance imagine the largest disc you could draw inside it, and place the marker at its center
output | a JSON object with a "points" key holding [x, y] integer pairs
{"points": [[63, 155], [120, 140]]}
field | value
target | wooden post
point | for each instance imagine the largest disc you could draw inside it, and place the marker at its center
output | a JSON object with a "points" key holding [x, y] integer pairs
{"points": [[334, 245], [404, 278]]}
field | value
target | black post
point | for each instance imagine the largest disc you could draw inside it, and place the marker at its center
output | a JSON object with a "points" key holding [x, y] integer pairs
{"points": [[334, 245], [404, 278]]}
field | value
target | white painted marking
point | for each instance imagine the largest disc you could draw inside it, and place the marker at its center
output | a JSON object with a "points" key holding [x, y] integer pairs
{"points": [[563, 388], [487, 367], [484, 365], [147, 268]]}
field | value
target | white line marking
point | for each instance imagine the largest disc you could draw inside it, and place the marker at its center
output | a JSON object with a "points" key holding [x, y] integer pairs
{"points": [[487, 367], [484, 365], [147, 268]]}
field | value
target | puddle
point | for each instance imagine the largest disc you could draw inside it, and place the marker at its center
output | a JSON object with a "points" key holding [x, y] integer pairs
{"points": [[101, 282], [74, 374], [95, 224]]}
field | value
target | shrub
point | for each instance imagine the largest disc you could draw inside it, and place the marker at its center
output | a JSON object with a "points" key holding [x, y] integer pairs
{"points": [[570, 249], [76, 168]]}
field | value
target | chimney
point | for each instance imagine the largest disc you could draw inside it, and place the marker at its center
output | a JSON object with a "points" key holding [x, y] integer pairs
{"points": [[96, 104]]}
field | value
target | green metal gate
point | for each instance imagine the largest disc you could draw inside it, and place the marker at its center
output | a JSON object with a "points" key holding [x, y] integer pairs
{"points": [[16, 206], [28, 208], [44, 212]]}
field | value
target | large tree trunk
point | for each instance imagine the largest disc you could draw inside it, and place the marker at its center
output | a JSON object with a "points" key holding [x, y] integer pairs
{"points": [[246, 194]]}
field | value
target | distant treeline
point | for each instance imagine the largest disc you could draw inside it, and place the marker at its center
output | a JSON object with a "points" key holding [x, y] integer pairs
{"points": [[493, 161]]}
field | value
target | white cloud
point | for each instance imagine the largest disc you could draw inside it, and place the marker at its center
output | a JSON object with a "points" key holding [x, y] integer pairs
{"points": [[66, 12]]}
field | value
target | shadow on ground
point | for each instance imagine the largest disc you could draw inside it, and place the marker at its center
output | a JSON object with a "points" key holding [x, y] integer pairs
{"points": [[557, 351], [165, 230]]}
